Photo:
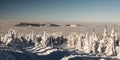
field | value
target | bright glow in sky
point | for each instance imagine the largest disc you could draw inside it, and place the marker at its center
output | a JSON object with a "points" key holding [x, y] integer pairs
{"points": [[61, 10]]}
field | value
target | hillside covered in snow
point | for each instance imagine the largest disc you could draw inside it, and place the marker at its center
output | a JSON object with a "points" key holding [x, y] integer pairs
{"points": [[55, 46]]}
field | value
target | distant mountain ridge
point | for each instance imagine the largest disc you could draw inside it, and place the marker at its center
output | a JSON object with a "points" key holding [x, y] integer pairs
{"points": [[23, 24]]}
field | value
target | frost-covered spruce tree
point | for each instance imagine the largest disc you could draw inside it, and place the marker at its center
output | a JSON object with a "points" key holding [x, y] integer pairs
{"points": [[111, 48], [86, 44], [78, 44], [103, 41], [93, 42], [9, 37], [71, 41], [44, 39]]}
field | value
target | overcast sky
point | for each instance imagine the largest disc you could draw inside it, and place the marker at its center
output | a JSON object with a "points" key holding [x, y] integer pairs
{"points": [[61, 10]]}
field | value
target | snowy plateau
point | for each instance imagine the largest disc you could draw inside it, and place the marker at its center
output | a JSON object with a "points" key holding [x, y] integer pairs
{"points": [[15, 45]]}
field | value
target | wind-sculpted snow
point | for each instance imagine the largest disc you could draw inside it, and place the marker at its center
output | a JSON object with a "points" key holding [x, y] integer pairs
{"points": [[87, 57], [10, 49], [42, 51], [47, 45], [68, 57]]}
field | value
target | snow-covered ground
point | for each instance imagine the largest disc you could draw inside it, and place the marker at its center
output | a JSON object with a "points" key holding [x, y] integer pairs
{"points": [[42, 51], [78, 44]]}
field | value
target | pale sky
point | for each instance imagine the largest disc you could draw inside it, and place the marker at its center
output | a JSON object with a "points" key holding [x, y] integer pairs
{"points": [[61, 10]]}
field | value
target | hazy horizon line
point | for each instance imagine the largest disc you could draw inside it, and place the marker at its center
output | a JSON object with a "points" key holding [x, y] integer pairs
{"points": [[38, 19]]}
